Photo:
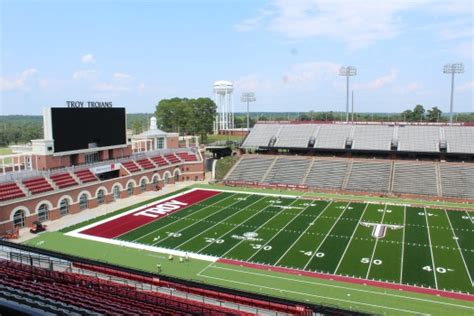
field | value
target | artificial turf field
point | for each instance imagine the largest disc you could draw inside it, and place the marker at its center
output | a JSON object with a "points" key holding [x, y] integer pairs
{"points": [[429, 248]]}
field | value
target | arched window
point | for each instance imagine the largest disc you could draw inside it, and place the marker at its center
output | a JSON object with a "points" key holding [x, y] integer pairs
{"points": [[165, 179], [19, 218], [155, 181], [176, 176], [43, 212], [100, 197], [83, 201], [130, 189], [64, 207], [116, 192], [143, 185]]}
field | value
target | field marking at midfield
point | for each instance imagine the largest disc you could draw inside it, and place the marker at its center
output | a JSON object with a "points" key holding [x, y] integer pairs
{"points": [[375, 246], [202, 219], [403, 243], [276, 234], [304, 232], [269, 205], [431, 249], [459, 247], [181, 218], [332, 285], [313, 295], [351, 239], [223, 220], [325, 237], [278, 213]]}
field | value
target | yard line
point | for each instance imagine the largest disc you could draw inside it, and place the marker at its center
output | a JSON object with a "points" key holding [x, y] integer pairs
{"points": [[325, 237], [278, 232], [431, 249], [350, 240], [459, 248], [470, 217], [237, 244], [242, 209], [161, 227], [202, 219], [375, 246], [304, 232], [403, 242]]}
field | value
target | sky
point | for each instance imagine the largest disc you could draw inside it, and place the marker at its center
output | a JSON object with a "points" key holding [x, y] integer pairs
{"points": [[289, 52]]}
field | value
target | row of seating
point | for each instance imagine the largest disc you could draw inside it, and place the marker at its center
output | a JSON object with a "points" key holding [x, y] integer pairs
{"points": [[85, 176], [10, 191], [63, 180], [370, 175], [185, 156], [38, 185]]}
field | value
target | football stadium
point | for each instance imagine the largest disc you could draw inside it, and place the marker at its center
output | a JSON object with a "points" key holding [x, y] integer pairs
{"points": [[200, 206]]}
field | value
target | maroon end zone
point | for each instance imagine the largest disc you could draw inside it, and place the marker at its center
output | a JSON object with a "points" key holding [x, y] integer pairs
{"points": [[385, 285], [152, 212]]}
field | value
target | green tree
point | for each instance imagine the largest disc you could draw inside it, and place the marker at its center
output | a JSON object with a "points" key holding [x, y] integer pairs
{"points": [[434, 115]]}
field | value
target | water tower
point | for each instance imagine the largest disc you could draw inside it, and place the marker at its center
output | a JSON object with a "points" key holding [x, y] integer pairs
{"points": [[225, 111]]}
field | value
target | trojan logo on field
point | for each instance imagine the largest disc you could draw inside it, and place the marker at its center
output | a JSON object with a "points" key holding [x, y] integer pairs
{"points": [[161, 209], [380, 230]]}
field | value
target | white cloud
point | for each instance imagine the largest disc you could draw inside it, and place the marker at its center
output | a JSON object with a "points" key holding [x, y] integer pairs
{"points": [[88, 59], [141, 88], [379, 82], [17, 83], [122, 76], [111, 87], [311, 71], [466, 86], [85, 75], [253, 82]]}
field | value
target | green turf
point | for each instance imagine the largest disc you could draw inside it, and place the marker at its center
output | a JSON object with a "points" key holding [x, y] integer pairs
{"points": [[311, 235]]}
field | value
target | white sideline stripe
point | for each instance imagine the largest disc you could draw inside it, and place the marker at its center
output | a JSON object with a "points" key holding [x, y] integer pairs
{"points": [[144, 247], [254, 193], [314, 295], [132, 211], [408, 297], [431, 249]]}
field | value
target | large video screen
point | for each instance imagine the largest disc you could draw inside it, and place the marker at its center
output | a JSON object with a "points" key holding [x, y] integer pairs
{"points": [[84, 128]]}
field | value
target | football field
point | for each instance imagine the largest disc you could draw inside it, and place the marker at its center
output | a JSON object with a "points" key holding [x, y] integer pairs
{"points": [[396, 244]]}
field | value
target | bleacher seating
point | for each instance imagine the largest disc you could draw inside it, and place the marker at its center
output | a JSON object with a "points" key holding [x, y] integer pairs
{"points": [[295, 135], [10, 191], [38, 185], [85, 176], [372, 137], [369, 176], [145, 163], [63, 180], [415, 178], [459, 139], [131, 166], [419, 138], [332, 136], [261, 135], [172, 158], [251, 169], [185, 156], [457, 180], [327, 174], [287, 171], [159, 161]]}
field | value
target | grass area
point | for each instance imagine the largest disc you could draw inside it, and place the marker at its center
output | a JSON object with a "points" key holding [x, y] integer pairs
{"points": [[5, 151], [428, 249], [224, 165], [223, 138]]}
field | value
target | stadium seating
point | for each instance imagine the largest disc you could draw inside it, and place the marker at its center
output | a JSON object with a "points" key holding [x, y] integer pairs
{"points": [[415, 178], [63, 180], [131, 166], [372, 137], [332, 136], [145, 163], [459, 139], [38, 185], [369, 176], [172, 158], [10, 191], [295, 135], [457, 180], [419, 138], [85, 176], [261, 135], [185, 156], [159, 161], [251, 169], [287, 171], [327, 173]]}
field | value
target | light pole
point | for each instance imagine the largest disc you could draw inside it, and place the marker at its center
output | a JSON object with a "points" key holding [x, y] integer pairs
{"points": [[347, 72], [248, 97], [457, 68]]}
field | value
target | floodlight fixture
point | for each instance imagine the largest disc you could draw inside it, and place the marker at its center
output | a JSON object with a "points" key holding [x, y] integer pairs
{"points": [[456, 68], [248, 97], [347, 72]]}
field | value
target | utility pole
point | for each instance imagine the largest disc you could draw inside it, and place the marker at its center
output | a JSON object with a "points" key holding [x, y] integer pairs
{"points": [[347, 72], [248, 97], [457, 68]]}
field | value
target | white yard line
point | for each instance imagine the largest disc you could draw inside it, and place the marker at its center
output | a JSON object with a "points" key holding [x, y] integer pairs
{"points": [[403, 243], [470, 217], [304, 232], [375, 246], [459, 247], [325, 237], [350, 240], [431, 248], [223, 220]]}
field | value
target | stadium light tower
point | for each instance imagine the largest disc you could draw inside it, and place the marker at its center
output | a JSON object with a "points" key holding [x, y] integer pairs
{"points": [[457, 68], [347, 72], [248, 97]]}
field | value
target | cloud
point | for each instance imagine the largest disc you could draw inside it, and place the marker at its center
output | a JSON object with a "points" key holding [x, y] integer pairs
{"points": [[111, 87], [310, 72], [379, 82], [254, 83], [88, 59], [121, 76], [17, 83], [251, 24], [466, 86], [85, 75]]}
